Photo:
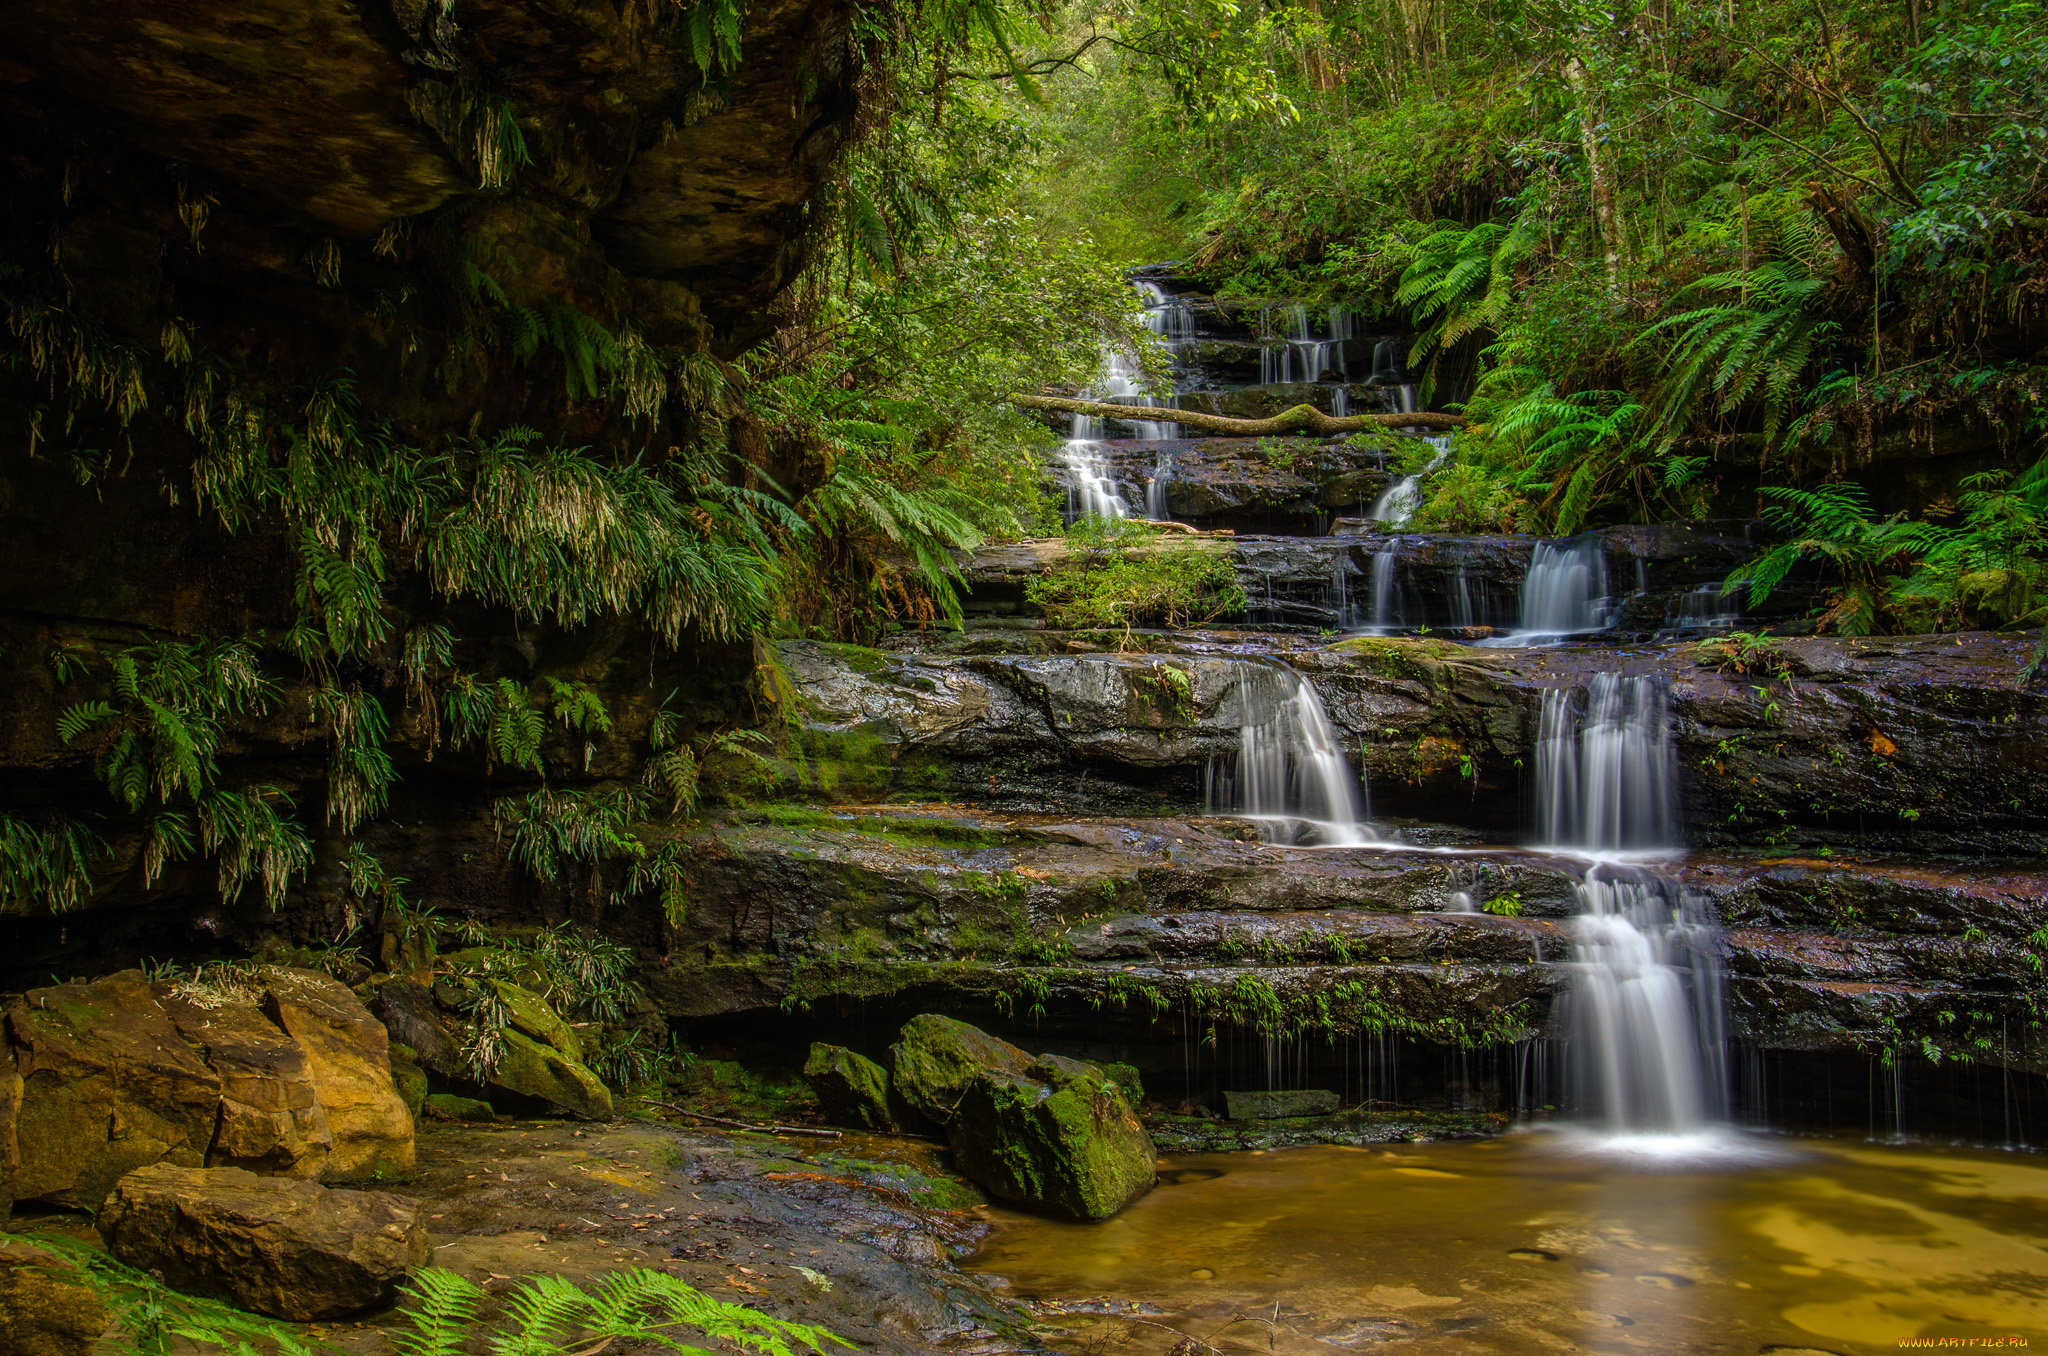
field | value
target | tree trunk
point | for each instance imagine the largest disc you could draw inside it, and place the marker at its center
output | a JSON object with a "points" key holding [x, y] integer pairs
{"points": [[1300, 419], [1606, 199]]}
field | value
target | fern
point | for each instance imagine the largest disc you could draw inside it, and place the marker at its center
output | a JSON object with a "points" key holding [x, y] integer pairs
{"points": [[47, 868], [549, 828], [1758, 345], [254, 838], [1461, 282]]}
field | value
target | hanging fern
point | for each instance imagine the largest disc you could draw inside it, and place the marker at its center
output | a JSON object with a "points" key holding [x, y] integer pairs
{"points": [[46, 869]]}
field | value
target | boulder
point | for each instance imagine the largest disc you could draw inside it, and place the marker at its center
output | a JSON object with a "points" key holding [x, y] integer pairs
{"points": [[537, 1018], [412, 1017], [1268, 1106], [291, 1249], [108, 1086], [271, 1121], [348, 1057], [1058, 1137], [527, 1067], [852, 1089], [44, 1309], [446, 1106], [936, 1058]]}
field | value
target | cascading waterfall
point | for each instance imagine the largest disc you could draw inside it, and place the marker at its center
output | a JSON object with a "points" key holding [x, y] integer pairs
{"points": [[1565, 592], [1644, 1011], [1404, 496], [1155, 488], [1607, 780], [1090, 491], [1302, 355], [1706, 608], [1289, 770]]}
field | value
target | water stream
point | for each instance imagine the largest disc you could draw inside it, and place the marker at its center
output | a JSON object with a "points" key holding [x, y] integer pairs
{"points": [[1644, 1054], [1289, 771]]}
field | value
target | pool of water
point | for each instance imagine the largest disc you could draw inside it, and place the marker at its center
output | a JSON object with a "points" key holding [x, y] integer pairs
{"points": [[1542, 1243]]}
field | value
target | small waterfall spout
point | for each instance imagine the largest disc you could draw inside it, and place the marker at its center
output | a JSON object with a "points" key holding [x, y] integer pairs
{"points": [[1289, 769], [1090, 491], [1608, 779], [1644, 1011], [1155, 489], [1404, 496], [1565, 592]]}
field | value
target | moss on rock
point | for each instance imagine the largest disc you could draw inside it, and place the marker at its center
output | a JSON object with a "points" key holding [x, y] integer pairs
{"points": [[852, 1089], [938, 1058], [1058, 1137]]}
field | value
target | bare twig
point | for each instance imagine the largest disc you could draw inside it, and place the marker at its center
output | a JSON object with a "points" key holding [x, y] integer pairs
{"points": [[744, 1125]]}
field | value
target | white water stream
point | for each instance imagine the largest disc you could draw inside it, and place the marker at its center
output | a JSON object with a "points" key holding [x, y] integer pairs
{"points": [[1289, 771], [1644, 1052]]}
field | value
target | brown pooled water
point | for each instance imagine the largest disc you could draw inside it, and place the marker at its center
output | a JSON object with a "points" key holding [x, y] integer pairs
{"points": [[1538, 1243]]}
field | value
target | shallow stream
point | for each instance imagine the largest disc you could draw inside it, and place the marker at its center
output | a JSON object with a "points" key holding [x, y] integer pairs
{"points": [[1533, 1243]]}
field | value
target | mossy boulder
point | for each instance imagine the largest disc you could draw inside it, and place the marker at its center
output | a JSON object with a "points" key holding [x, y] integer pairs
{"points": [[937, 1058], [447, 1106], [852, 1089], [1058, 1137], [532, 1014], [531, 1069]]}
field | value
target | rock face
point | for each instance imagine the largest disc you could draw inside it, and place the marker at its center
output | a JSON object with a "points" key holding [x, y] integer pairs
{"points": [[937, 1058], [44, 1309], [1057, 1137], [852, 1089], [108, 1086], [1870, 743], [293, 1250], [119, 1074]]}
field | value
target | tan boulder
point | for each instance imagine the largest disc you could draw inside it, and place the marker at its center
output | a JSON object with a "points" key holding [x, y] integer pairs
{"points": [[271, 1122], [291, 1249], [348, 1057], [10, 1146], [107, 1085], [45, 1310]]}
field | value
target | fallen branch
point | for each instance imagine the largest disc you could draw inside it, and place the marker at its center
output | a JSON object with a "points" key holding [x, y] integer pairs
{"points": [[1300, 419], [744, 1125]]}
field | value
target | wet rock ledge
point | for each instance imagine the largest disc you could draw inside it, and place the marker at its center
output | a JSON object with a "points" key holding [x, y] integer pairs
{"points": [[1914, 744]]}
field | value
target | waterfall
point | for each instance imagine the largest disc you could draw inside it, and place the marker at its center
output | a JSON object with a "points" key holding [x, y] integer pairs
{"points": [[1289, 769], [1706, 608], [1607, 780], [1385, 612], [1644, 1009], [1090, 491], [1155, 488], [1564, 593], [1404, 496]]}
